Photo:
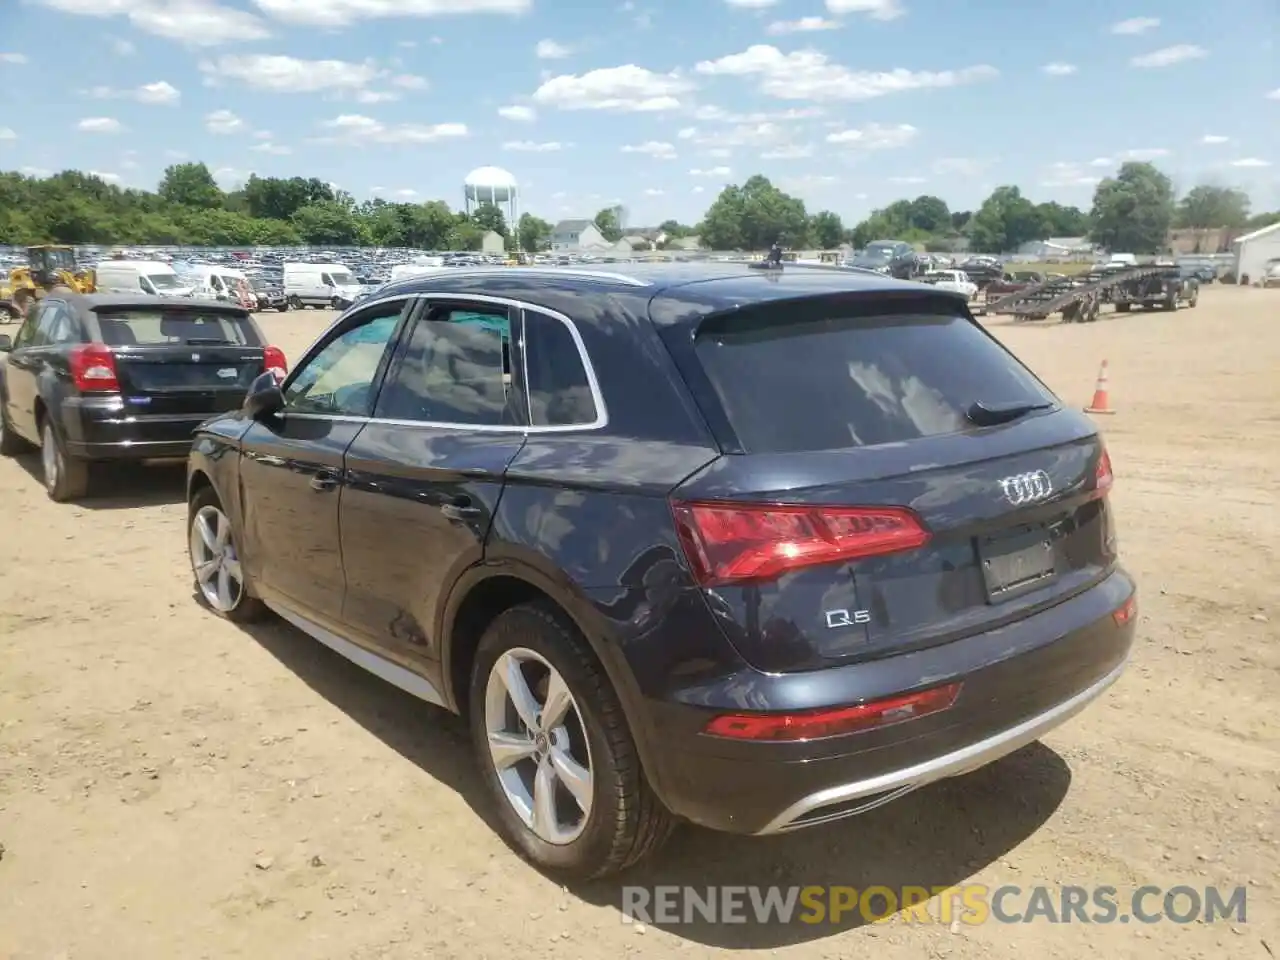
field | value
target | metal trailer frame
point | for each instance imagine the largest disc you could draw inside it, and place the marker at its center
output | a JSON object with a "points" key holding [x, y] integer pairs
{"points": [[1078, 298]]}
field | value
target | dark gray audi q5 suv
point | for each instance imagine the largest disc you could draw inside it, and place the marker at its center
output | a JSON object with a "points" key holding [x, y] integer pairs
{"points": [[753, 549]]}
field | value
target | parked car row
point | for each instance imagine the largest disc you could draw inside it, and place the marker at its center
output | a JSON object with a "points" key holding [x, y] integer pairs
{"points": [[757, 550]]}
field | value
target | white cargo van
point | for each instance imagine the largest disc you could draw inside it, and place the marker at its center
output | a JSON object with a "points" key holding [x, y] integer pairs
{"points": [[149, 276], [319, 285], [212, 281]]}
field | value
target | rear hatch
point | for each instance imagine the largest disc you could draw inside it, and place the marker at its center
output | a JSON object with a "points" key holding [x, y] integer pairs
{"points": [[189, 362], [865, 506]]}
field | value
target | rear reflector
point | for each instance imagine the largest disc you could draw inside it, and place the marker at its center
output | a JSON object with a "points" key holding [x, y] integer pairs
{"points": [[93, 368], [273, 362], [816, 724], [1126, 611], [1104, 476], [742, 542]]}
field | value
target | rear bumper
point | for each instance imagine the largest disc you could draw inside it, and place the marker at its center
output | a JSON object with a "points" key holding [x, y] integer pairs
{"points": [[1018, 683], [103, 428]]}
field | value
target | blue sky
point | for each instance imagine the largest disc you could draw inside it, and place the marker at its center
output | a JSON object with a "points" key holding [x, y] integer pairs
{"points": [[656, 104]]}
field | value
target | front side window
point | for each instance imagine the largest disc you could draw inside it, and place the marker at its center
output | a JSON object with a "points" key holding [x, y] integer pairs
{"points": [[326, 280], [456, 369], [338, 380], [52, 326]]}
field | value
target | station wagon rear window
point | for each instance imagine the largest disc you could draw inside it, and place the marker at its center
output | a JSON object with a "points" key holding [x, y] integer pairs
{"points": [[155, 328], [798, 378]]}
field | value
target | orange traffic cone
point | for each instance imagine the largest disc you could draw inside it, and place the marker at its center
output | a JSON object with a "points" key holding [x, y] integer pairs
{"points": [[1101, 401]]}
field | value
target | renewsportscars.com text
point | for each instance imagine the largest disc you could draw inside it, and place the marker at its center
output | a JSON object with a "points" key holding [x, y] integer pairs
{"points": [[971, 904]]}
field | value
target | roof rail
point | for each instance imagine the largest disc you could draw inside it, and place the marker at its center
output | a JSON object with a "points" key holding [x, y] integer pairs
{"points": [[575, 272]]}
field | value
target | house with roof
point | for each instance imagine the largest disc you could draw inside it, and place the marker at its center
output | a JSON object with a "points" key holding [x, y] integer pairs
{"points": [[578, 236]]}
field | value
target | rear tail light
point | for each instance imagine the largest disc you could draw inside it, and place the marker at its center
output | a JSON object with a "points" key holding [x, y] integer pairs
{"points": [[274, 362], [1104, 477], [817, 724], [1126, 611], [93, 369], [742, 542]]}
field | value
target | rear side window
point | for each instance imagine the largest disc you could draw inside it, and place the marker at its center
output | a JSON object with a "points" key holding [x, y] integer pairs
{"points": [[559, 391], [154, 328], [456, 369], [794, 378]]}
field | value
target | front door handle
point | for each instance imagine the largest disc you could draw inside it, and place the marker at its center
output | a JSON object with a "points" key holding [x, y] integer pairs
{"points": [[460, 509], [324, 481]]}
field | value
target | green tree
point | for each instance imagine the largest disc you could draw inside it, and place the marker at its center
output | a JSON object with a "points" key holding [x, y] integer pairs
{"points": [[535, 233], [606, 222], [465, 235], [279, 199], [489, 217], [191, 185], [1005, 221], [753, 216], [930, 214], [1064, 221], [1206, 206], [826, 230], [1132, 211], [327, 223]]}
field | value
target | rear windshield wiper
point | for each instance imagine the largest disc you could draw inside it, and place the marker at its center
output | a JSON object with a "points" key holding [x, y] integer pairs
{"points": [[986, 414]]}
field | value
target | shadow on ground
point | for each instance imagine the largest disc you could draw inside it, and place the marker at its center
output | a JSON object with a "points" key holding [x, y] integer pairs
{"points": [[935, 838], [123, 486]]}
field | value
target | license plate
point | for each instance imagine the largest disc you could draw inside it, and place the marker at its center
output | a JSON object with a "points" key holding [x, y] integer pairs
{"points": [[1012, 565]]}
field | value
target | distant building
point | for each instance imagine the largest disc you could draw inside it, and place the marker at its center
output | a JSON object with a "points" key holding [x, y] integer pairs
{"points": [[1189, 240], [578, 236], [1257, 252], [493, 243]]}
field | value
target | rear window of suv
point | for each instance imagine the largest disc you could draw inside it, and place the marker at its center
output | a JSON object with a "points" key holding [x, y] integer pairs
{"points": [[796, 377], [154, 328]]}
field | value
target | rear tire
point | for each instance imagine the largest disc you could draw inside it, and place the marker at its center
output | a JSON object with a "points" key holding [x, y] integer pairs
{"points": [[66, 478], [588, 745], [283, 308], [295, 303], [220, 579]]}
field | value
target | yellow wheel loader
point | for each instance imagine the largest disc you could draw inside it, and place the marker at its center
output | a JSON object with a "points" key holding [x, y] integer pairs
{"points": [[49, 267]]}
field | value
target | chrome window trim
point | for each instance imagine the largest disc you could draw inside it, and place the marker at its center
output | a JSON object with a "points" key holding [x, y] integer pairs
{"points": [[593, 383]]}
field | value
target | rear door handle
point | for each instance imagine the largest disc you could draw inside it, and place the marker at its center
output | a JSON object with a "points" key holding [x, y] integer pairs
{"points": [[460, 509], [324, 481]]}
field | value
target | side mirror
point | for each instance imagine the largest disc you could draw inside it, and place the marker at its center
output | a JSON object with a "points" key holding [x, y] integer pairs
{"points": [[264, 397], [6, 343]]}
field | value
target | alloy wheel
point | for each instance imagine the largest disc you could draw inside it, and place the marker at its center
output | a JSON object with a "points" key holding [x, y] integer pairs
{"points": [[50, 458], [214, 559], [538, 746]]}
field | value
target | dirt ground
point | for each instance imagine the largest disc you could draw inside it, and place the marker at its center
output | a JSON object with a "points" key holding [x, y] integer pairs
{"points": [[174, 787]]}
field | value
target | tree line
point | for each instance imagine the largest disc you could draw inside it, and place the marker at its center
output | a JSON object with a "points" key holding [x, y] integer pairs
{"points": [[1132, 211]]}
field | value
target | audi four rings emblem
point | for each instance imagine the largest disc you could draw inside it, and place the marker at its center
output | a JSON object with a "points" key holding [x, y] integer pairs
{"points": [[1026, 488]]}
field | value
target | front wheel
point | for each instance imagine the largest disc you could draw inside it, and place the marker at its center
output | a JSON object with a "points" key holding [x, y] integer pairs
{"points": [[556, 752], [220, 578], [295, 303]]}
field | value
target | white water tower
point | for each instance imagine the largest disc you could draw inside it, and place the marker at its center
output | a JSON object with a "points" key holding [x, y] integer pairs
{"points": [[492, 185]]}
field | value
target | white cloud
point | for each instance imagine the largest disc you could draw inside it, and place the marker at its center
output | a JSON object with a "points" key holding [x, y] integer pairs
{"points": [[1148, 153], [409, 81], [791, 151], [626, 89], [8, 133], [112, 178], [803, 25], [518, 113], [713, 172], [1064, 174], [16, 59], [1274, 94], [1059, 69], [654, 192], [653, 148], [1251, 162], [906, 180], [1102, 162], [275, 149], [99, 125], [809, 75], [1168, 56], [876, 136], [358, 130], [550, 50], [376, 96], [341, 13], [161, 92], [122, 48], [687, 133], [1135, 25], [750, 4], [223, 121], [406, 192], [875, 9], [201, 23], [530, 146], [1214, 138], [960, 166], [281, 74]]}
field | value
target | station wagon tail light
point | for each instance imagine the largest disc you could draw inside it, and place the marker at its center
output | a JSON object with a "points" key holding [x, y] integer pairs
{"points": [[273, 362], [93, 369], [833, 722], [728, 543], [1104, 476]]}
